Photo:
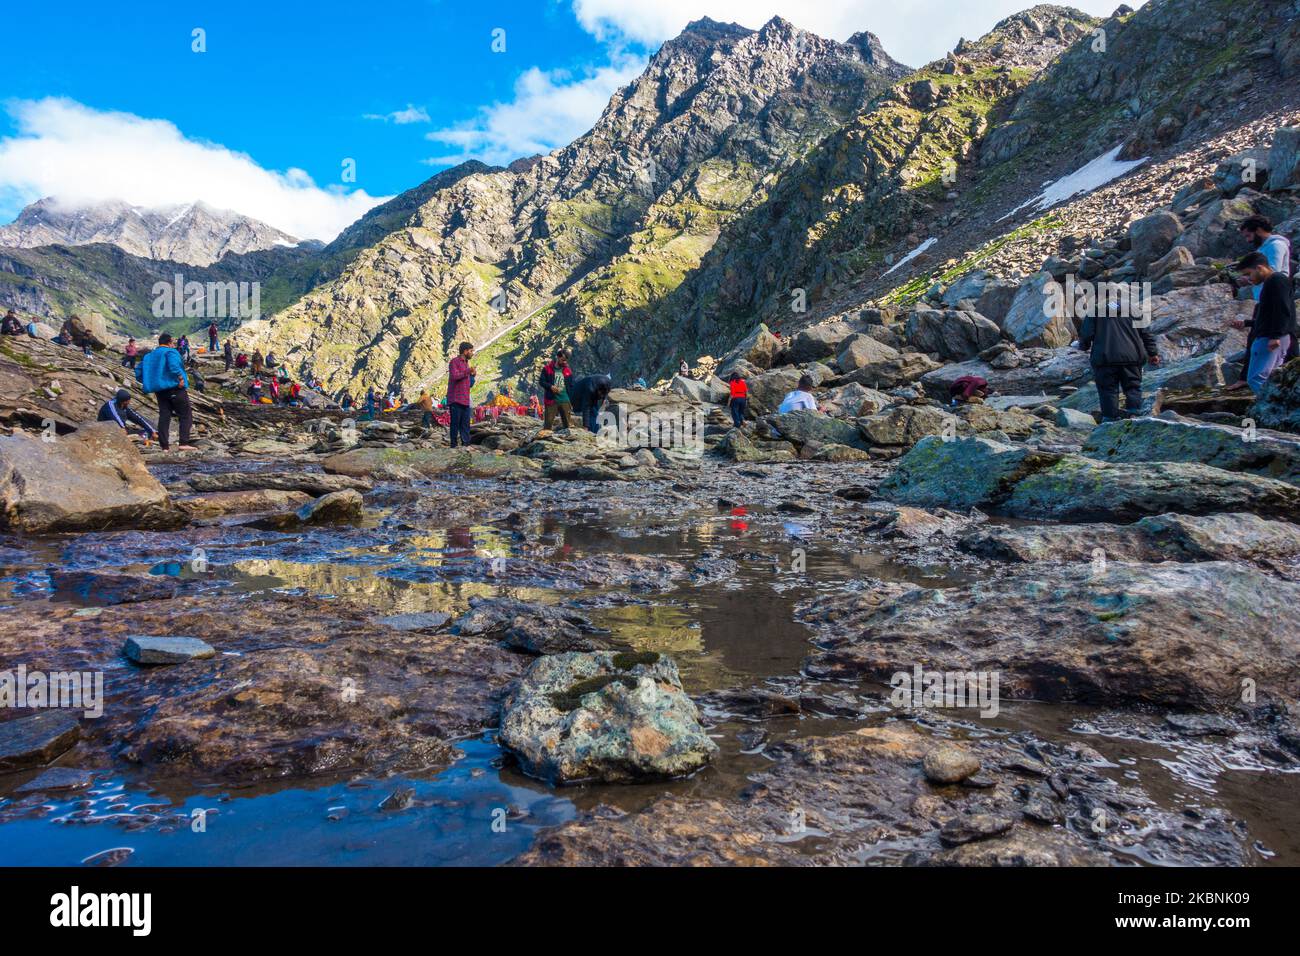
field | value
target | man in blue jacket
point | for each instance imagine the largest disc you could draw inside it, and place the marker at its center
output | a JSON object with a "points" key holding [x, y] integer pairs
{"points": [[162, 374]]}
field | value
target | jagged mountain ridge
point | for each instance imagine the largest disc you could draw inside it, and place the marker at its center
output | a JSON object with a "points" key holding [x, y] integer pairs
{"points": [[719, 111], [192, 233]]}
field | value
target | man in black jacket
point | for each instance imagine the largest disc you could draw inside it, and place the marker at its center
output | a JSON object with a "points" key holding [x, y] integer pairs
{"points": [[1119, 350], [118, 409], [587, 395], [1274, 322]]}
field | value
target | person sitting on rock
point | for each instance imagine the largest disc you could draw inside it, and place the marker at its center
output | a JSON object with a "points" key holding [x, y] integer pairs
{"points": [[801, 397], [1274, 324], [968, 390], [1119, 349], [587, 396], [739, 400], [241, 360], [554, 383], [118, 409], [11, 325], [255, 391], [271, 360]]}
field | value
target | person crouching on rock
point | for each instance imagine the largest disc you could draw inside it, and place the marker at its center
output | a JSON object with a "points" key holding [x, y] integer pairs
{"points": [[587, 396], [118, 409], [460, 379], [162, 374], [1119, 349], [739, 398], [968, 390], [1274, 324], [801, 397], [11, 325], [255, 392], [554, 382]]}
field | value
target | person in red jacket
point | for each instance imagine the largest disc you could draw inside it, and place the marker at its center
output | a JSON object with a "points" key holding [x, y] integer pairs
{"points": [[554, 382], [460, 378], [739, 398]]}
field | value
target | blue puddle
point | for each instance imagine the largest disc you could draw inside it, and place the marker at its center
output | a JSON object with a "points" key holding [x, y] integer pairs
{"points": [[466, 815]]}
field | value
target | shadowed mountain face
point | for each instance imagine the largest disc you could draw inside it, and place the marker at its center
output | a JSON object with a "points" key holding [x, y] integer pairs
{"points": [[195, 233], [612, 222]]}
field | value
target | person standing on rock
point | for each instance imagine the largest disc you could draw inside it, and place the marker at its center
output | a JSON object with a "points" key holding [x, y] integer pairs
{"points": [[1119, 351], [425, 402], [460, 378], [1274, 324], [259, 363], [212, 337], [162, 374], [587, 397], [229, 355], [801, 397], [739, 398], [130, 354], [554, 382], [118, 409]]}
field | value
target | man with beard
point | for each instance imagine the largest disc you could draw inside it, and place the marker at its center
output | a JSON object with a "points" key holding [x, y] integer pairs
{"points": [[1258, 231]]}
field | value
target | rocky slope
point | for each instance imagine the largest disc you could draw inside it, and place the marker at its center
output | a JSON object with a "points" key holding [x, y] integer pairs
{"points": [[195, 233], [608, 224]]}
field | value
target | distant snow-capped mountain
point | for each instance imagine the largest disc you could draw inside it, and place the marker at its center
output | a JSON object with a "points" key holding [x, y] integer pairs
{"points": [[193, 233]]}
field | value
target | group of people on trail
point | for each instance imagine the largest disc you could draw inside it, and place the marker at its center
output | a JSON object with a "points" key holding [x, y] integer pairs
{"points": [[161, 373], [562, 396]]}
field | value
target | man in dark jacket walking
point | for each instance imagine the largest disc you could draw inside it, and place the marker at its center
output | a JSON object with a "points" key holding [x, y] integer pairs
{"points": [[1119, 350]]}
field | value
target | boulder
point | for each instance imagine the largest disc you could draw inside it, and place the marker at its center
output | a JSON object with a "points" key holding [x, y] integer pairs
{"points": [[1214, 232], [766, 391], [1284, 158], [1176, 258], [1032, 320], [1151, 238], [819, 341], [1170, 537], [603, 717], [758, 349], [890, 372], [852, 401], [995, 301], [952, 335], [91, 480], [1197, 371], [1247, 168], [970, 286], [1190, 636], [407, 464], [337, 506], [961, 474], [1035, 372], [738, 446], [907, 424], [240, 502], [859, 351], [806, 425], [1223, 446], [1083, 489], [1195, 321], [306, 482], [710, 391]]}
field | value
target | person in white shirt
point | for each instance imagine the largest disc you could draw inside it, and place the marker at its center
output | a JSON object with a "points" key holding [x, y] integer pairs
{"points": [[1258, 231], [801, 397]]}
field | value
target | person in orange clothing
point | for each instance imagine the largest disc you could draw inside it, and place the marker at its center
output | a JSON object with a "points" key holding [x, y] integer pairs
{"points": [[739, 398]]}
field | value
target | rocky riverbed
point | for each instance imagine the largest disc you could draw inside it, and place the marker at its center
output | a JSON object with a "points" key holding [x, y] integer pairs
{"points": [[691, 668]]}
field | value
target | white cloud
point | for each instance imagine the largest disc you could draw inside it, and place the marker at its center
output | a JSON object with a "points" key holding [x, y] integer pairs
{"points": [[549, 109], [412, 114], [66, 149], [912, 31]]}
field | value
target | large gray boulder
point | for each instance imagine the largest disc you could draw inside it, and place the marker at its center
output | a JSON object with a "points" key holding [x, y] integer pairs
{"points": [[1284, 158], [1198, 371], [951, 334], [1278, 405], [709, 391], [1233, 449], [1215, 232], [758, 349], [603, 717], [805, 425], [961, 474], [819, 342], [90, 480], [907, 424], [1033, 320], [859, 351], [1151, 237]]}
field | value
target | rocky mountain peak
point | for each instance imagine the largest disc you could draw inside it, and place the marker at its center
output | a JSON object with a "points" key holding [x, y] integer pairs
{"points": [[193, 233]]}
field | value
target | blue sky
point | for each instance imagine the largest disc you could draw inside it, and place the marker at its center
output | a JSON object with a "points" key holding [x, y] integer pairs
{"points": [[108, 100]]}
